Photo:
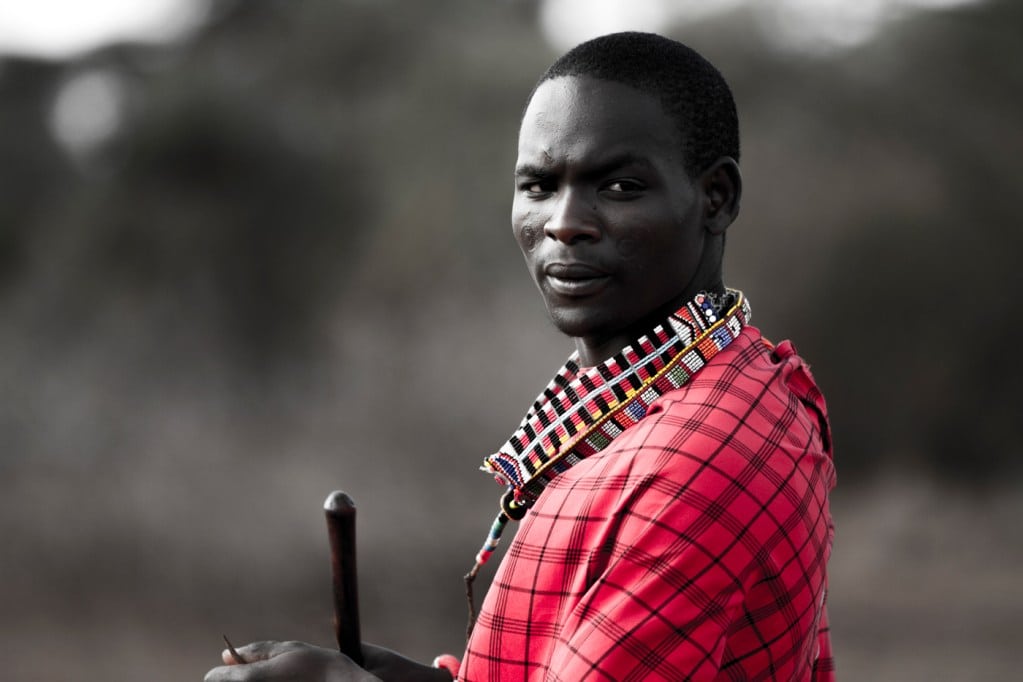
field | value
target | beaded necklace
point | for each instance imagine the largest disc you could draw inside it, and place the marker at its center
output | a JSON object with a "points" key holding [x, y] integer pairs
{"points": [[582, 410]]}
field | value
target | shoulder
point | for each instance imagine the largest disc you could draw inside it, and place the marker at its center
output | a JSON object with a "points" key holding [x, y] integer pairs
{"points": [[751, 388], [752, 409], [744, 436]]}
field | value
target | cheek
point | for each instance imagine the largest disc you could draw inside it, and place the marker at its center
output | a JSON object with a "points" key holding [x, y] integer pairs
{"points": [[526, 228], [629, 247], [527, 236], [637, 244]]}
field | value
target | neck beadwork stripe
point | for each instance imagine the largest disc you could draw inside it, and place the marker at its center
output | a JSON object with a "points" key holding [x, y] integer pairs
{"points": [[581, 411]]}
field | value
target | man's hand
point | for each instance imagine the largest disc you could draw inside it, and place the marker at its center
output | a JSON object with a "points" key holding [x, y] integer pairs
{"points": [[298, 661], [280, 661]]}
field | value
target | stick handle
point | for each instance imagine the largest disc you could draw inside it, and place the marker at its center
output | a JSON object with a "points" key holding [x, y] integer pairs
{"points": [[340, 512]]}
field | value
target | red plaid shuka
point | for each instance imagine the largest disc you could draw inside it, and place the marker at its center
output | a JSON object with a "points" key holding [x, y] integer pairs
{"points": [[693, 548]]}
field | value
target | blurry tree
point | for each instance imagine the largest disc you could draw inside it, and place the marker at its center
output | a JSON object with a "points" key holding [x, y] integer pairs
{"points": [[922, 276], [213, 212], [254, 169], [34, 171], [290, 159]]}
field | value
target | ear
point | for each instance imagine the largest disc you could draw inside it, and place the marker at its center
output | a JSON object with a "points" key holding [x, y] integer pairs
{"points": [[721, 185]]}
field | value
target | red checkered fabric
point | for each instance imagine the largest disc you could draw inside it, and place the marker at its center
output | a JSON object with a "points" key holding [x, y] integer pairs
{"points": [[693, 548]]}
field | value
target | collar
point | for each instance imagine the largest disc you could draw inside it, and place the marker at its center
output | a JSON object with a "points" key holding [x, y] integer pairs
{"points": [[582, 410]]}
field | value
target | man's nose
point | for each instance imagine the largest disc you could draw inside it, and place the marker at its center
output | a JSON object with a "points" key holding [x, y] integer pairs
{"points": [[574, 219]]}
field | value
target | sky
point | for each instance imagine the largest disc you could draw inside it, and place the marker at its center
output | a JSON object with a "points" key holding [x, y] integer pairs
{"points": [[796, 25], [60, 29], [65, 28]]}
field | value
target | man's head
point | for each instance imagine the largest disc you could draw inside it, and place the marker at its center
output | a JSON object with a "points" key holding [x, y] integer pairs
{"points": [[616, 226], [690, 89]]}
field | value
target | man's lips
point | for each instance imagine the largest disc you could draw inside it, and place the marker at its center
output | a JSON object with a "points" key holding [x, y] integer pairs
{"points": [[575, 279]]}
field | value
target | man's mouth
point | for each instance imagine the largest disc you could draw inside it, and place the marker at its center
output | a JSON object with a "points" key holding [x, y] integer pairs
{"points": [[575, 279]]}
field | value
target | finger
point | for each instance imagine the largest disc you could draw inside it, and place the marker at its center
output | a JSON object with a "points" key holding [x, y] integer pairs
{"points": [[261, 651], [220, 674], [260, 671], [287, 661], [234, 656]]}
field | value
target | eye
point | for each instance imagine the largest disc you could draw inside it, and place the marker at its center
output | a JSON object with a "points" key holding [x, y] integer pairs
{"points": [[624, 186], [536, 188]]}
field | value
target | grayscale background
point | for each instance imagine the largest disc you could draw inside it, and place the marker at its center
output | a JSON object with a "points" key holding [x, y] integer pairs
{"points": [[269, 256]]}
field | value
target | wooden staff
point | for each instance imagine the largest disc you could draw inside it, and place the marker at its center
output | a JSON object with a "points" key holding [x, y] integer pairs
{"points": [[340, 512]]}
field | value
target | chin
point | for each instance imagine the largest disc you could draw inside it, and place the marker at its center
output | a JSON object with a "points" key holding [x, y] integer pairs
{"points": [[578, 323]]}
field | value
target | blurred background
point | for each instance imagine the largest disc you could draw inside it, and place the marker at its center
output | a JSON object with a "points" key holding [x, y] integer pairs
{"points": [[251, 252]]}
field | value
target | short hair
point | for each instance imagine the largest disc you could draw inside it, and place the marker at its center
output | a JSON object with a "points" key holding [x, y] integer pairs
{"points": [[690, 89]]}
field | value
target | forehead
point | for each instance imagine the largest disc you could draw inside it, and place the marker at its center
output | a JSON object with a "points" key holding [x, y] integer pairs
{"points": [[574, 117]]}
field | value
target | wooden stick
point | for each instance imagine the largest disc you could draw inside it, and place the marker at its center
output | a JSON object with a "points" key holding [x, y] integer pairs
{"points": [[340, 512]]}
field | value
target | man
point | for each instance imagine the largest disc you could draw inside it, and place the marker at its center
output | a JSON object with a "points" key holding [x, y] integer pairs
{"points": [[673, 478]]}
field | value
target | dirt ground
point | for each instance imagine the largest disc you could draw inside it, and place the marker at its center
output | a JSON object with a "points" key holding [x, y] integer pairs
{"points": [[925, 582]]}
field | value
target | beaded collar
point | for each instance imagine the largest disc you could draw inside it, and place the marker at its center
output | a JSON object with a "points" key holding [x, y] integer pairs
{"points": [[582, 410]]}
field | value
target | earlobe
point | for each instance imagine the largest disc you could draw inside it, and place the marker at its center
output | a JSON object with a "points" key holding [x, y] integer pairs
{"points": [[722, 189]]}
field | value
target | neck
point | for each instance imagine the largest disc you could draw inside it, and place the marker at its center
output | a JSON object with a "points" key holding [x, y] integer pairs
{"points": [[594, 350]]}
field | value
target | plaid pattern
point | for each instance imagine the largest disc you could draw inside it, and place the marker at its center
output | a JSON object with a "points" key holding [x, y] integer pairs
{"points": [[693, 548]]}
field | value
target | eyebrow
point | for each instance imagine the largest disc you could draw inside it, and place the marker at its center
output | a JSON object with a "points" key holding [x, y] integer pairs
{"points": [[602, 166], [531, 170]]}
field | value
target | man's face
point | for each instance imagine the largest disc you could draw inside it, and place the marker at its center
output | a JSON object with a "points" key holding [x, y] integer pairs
{"points": [[607, 217]]}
